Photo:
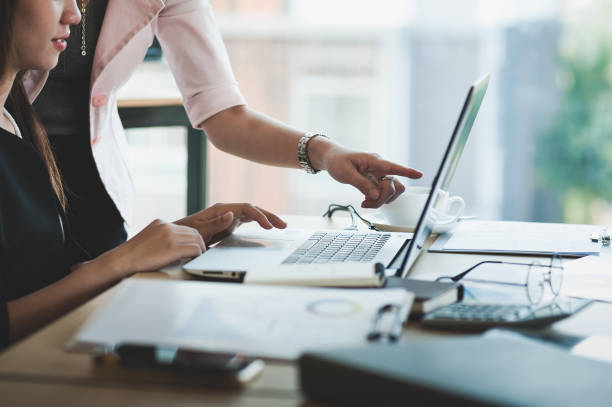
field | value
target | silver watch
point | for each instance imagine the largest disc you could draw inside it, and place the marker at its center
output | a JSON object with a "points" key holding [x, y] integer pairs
{"points": [[302, 152]]}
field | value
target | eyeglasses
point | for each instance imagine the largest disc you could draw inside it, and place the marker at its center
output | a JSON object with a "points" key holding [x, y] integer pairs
{"points": [[354, 214], [538, 277]]}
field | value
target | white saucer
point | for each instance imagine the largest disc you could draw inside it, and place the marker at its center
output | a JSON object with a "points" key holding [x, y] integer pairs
{"points": [[379, 220]]}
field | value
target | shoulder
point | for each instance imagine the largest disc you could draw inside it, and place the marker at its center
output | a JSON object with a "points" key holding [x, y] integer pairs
{"points": [[9, 141], [19, 159], [178, 7]]}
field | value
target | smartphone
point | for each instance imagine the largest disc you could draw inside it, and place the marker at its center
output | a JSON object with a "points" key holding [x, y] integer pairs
{"points": [[229, 368]]}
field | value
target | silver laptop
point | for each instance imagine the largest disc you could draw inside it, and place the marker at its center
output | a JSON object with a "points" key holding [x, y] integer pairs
{"points": [[233, 257]]}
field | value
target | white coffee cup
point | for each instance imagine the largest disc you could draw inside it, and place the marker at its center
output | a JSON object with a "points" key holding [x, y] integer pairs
{"points": [[407, 208]]}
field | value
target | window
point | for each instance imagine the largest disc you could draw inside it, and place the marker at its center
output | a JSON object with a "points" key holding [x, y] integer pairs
{"points": [[390, 77]]}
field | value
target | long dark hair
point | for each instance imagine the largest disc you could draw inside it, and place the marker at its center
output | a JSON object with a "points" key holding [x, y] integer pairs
{"points": [[19, 104]]}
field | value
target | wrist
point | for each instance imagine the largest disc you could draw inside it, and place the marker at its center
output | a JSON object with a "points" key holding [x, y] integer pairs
{"points": [[114, 264], [102, 272], [316, 150]]}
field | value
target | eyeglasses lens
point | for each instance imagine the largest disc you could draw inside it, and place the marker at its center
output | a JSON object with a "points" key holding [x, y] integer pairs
{"points": [[555, 274], [535, 283]]}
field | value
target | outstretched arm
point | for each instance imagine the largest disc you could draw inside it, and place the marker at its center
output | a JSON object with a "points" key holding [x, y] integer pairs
{"points": [[157, 245], [246, 133]]}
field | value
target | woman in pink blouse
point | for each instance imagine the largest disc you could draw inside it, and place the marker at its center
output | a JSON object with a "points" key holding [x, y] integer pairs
{"points": [[78, 105]]}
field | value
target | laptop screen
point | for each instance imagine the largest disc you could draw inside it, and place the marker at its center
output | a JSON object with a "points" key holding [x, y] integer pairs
{"points": [[443, 178]]}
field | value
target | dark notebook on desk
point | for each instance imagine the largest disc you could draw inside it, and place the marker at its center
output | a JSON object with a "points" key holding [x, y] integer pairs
{"points": [[463, 371], [428, 295]]}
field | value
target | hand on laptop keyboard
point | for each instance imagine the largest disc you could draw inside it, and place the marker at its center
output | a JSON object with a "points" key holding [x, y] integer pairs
{"points": [[220, 220]]}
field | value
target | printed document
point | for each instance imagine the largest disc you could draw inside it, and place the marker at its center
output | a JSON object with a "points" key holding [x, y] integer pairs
{"points": [[265, 321]]}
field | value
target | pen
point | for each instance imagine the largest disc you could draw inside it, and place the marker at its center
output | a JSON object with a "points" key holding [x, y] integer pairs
{"points": [[395, 331]]}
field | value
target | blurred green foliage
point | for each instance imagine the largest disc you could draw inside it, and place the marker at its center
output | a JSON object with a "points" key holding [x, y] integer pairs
{"points": [[574, 155]]}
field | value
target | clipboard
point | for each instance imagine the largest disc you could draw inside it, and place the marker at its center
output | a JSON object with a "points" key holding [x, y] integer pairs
{"points": [[528, 238]]}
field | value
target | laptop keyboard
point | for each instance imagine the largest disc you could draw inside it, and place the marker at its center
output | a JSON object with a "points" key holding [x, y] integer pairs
{"points": [[338, 247]]}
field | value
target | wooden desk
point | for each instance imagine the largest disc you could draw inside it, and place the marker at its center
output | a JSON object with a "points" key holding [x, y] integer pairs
{"points": [[38, 369]]}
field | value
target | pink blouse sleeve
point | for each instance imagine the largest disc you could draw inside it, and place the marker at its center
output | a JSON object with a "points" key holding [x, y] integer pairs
{"points": [[192, 45]]}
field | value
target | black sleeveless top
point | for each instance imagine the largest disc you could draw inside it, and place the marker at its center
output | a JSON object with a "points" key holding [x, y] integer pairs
{"points": [[32, 236], [63, 107]]}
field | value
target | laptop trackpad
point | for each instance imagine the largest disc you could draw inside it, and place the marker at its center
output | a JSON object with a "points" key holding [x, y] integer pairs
{"points": [[239, 252]]}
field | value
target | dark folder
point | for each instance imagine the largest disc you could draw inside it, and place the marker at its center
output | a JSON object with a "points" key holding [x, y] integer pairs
{"points": [[428, 295], [462, 371]]}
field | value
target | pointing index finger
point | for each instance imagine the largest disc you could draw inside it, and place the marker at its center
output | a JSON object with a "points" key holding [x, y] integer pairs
{"points": [[389, 168]]}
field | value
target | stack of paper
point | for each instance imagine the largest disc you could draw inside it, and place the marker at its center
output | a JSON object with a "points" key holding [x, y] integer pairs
{"points": [[273, 322]]}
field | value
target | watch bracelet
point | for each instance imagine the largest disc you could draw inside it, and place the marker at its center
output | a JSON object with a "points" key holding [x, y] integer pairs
{"points": [[302, 152]]}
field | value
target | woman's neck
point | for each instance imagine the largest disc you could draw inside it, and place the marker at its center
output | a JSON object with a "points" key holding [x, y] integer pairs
{"points": [[6, 83]]}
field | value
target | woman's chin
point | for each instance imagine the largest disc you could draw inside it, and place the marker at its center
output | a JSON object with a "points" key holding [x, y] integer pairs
{"points": [[45, 65]]}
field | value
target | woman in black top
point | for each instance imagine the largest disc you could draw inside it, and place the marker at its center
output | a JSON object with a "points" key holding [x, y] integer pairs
{"points": [[39, 280]]}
